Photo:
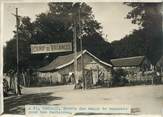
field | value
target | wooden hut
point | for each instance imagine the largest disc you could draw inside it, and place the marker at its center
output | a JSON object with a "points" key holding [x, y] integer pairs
{"points": [[60, 69], [136, 67], [137, 63]]}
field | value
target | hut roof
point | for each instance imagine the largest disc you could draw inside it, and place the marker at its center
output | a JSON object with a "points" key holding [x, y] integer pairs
{"points": [[63, 61], [127, 62]]}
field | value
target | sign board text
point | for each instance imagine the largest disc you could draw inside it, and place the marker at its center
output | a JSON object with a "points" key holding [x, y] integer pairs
{"points": [[50, 48]]}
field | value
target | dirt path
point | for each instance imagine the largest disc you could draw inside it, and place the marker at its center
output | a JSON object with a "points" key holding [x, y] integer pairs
{"points": [[146, 99]]}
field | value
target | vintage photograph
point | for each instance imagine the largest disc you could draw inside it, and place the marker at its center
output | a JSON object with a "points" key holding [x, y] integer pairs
{"points": [[83, 53]]}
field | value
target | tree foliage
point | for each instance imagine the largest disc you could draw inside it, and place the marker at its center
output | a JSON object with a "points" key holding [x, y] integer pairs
{"points": [[148, 39], [55, 26]]}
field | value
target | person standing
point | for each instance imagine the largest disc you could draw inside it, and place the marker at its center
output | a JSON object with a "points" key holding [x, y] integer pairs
{"points": [[17, 84], [5, 87]]}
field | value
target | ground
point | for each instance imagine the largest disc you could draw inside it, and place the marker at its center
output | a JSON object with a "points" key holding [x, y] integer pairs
{"points": [[144, 99]]}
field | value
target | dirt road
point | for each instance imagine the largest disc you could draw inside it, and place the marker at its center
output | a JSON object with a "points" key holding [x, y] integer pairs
{"points": [[145, 99]]}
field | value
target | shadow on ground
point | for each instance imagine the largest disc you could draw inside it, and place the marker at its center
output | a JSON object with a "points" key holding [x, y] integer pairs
{"points": [[135, 110], [16, 104]]}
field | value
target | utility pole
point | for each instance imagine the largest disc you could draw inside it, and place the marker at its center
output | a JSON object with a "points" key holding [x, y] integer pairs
{"points": [[75, 49], [17, 37], [81, 49], [17, 54]]}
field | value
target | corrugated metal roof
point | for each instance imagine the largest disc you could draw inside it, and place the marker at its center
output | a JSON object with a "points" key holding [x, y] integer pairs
{"points": [[127, 62], [63, 61]]}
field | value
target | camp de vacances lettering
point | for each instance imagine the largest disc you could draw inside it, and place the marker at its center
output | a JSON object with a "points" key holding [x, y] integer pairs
{"points": [[45, 48]]}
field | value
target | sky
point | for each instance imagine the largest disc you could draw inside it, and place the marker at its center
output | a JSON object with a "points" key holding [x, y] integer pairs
{"points": [[110, 15], [112, 18]]}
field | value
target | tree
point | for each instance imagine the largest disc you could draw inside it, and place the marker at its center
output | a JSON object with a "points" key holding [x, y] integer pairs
{"points": [[130, 45], [55, 26], [148, 39], [25, 31]]}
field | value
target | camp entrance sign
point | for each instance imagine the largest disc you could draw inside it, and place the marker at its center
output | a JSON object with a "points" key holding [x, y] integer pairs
{"points": [[50, 48]]}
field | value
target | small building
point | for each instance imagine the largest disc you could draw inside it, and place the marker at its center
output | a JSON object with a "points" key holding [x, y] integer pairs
{"points": [[135, 66], [136, 62], [60, 69]]}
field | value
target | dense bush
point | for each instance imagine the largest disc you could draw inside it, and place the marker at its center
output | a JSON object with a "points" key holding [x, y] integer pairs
{"points": [[119, 77]]}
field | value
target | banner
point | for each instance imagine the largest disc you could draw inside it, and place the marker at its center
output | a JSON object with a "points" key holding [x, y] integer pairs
{"points": [[50, 48]]}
